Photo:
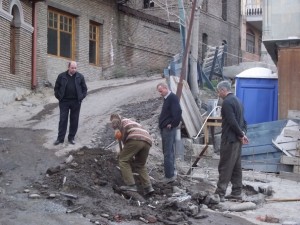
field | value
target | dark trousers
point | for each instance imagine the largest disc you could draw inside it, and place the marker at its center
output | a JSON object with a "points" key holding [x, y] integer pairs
{"points": [[230, 169], [66, 107]]}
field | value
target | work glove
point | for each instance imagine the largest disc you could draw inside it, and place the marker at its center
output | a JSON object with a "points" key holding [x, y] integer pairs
{"points": [[118, 135]]}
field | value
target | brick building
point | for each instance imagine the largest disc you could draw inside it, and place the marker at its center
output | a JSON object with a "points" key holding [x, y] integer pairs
{"points": [[107, 39]]}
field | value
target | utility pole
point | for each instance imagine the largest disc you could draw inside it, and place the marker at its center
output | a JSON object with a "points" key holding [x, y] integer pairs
{"points": [[193, 78]]}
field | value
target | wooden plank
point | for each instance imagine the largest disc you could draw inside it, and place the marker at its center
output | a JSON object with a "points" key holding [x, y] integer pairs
{"points": [[289, 176], [288, 80], [293, 114], [292, 145], [292, 133], [281, 148], [191, 116], [290, 160]]}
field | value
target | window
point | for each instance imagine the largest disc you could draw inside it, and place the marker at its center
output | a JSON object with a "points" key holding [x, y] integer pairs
{"points": [[12, 49], [224, 10], [61, 34], [204, 6], [148, 4], [250, 42], [13, 41], [94, 44]]}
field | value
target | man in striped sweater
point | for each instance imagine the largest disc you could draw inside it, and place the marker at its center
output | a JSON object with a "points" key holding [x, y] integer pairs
{"points": [[137, 143]]}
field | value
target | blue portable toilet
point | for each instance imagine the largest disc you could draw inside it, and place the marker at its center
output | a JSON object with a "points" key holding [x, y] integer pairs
{"points": [[257, 88]]}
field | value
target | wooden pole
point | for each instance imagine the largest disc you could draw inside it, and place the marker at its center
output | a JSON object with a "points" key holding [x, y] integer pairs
{"points": [[283, 200], [186, 52]]}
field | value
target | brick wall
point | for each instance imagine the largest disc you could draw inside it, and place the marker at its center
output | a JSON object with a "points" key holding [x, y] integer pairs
{"points": [[5, 52], [102, 12], [23, 49], [144, 47], [211, 23], [130, 45]]}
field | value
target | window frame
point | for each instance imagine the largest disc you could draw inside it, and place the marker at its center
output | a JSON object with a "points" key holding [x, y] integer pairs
{"points": [[204, 6], [97, 41], [58, 29], [250, 42], [224, 9]]}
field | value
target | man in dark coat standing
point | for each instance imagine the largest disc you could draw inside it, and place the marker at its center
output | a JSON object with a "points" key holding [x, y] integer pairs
{"points": [[169, 120], [70, 89], [232, 138]]}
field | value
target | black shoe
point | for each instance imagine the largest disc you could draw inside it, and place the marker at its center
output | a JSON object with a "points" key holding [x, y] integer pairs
{"points": [[57, 142], [234, 197], [72, 142]]}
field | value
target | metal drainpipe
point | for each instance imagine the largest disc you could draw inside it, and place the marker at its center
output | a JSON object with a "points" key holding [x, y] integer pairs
{"points": [[34, 44]]}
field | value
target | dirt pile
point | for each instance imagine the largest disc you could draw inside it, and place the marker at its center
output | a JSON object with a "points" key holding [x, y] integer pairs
{"points": [[88, 183]]}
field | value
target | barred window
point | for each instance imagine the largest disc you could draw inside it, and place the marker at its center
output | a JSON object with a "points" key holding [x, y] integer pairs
{"points": [[61, 34]]}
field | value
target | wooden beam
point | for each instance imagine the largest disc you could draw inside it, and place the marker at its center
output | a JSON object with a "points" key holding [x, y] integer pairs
{"points": [[291, 133], [289, 176], [290, 160]]}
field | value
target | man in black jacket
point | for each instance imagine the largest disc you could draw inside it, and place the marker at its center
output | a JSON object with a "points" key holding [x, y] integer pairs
{"points": [[70, 89], [233, 136], [169, 120]]}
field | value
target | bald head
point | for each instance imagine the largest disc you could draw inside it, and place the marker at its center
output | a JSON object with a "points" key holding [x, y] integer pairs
{"points": [[72, 67]]}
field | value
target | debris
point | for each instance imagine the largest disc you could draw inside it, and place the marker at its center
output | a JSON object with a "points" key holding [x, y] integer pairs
{"points": [[200, 216], [69, 195], [104, 215], [34, 196], [26, 191], [289, 223], [69, 159], [144, 220], [52, 170], [227, 214], [243, 207], [64, 181], [51, 196], [151, 219], [268, 219], [73, 210], [266, 190], [151, 206]]}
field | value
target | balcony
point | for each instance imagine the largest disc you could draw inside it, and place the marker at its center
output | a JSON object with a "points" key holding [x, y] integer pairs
{"points": [[254, 15]]}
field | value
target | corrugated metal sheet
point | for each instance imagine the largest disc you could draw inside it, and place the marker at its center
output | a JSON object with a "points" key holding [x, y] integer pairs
{"points": [[260, 154], [191, 116]]}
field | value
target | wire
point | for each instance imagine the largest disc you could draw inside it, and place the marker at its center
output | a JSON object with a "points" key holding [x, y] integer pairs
{"points": [[205, 121]]}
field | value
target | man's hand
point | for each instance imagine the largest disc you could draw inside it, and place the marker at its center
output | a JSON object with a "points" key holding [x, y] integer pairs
{"points": [[118, 135], [169, 126], [244, 140]]}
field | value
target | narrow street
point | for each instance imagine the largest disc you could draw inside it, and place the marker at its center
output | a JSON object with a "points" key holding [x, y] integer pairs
{"points": [[27, 152]]}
